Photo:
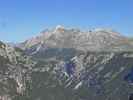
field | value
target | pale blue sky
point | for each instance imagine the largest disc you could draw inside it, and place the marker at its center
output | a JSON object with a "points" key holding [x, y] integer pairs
{"points": [[22, 19]]}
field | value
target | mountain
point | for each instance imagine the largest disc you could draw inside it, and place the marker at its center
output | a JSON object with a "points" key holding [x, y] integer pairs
{"points": [[74, 38], [68, 64], [62, 39]]}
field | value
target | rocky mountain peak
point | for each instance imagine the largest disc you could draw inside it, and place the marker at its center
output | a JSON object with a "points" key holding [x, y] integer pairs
{"points": [[59, 27], [61, 37]]}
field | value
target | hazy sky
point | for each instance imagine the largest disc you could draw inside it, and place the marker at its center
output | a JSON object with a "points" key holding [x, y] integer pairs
{"points": [[21, 19]]}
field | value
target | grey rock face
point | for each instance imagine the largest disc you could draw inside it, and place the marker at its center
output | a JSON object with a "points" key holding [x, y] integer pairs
{"points": [[95, 40]]}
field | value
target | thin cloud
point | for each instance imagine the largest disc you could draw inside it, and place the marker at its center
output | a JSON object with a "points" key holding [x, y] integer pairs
{"points": [[3, 24]]}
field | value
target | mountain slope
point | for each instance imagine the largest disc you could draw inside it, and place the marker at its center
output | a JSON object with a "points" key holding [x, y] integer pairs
{"points": [[14, 66], [88, 76]]}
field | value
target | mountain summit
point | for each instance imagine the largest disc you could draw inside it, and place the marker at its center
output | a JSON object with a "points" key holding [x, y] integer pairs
{"points": [[93, 40]]}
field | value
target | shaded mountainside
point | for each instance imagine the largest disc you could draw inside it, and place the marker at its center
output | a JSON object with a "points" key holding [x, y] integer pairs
{"points": [[84, 76], [89, 76], [99, 76]]}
